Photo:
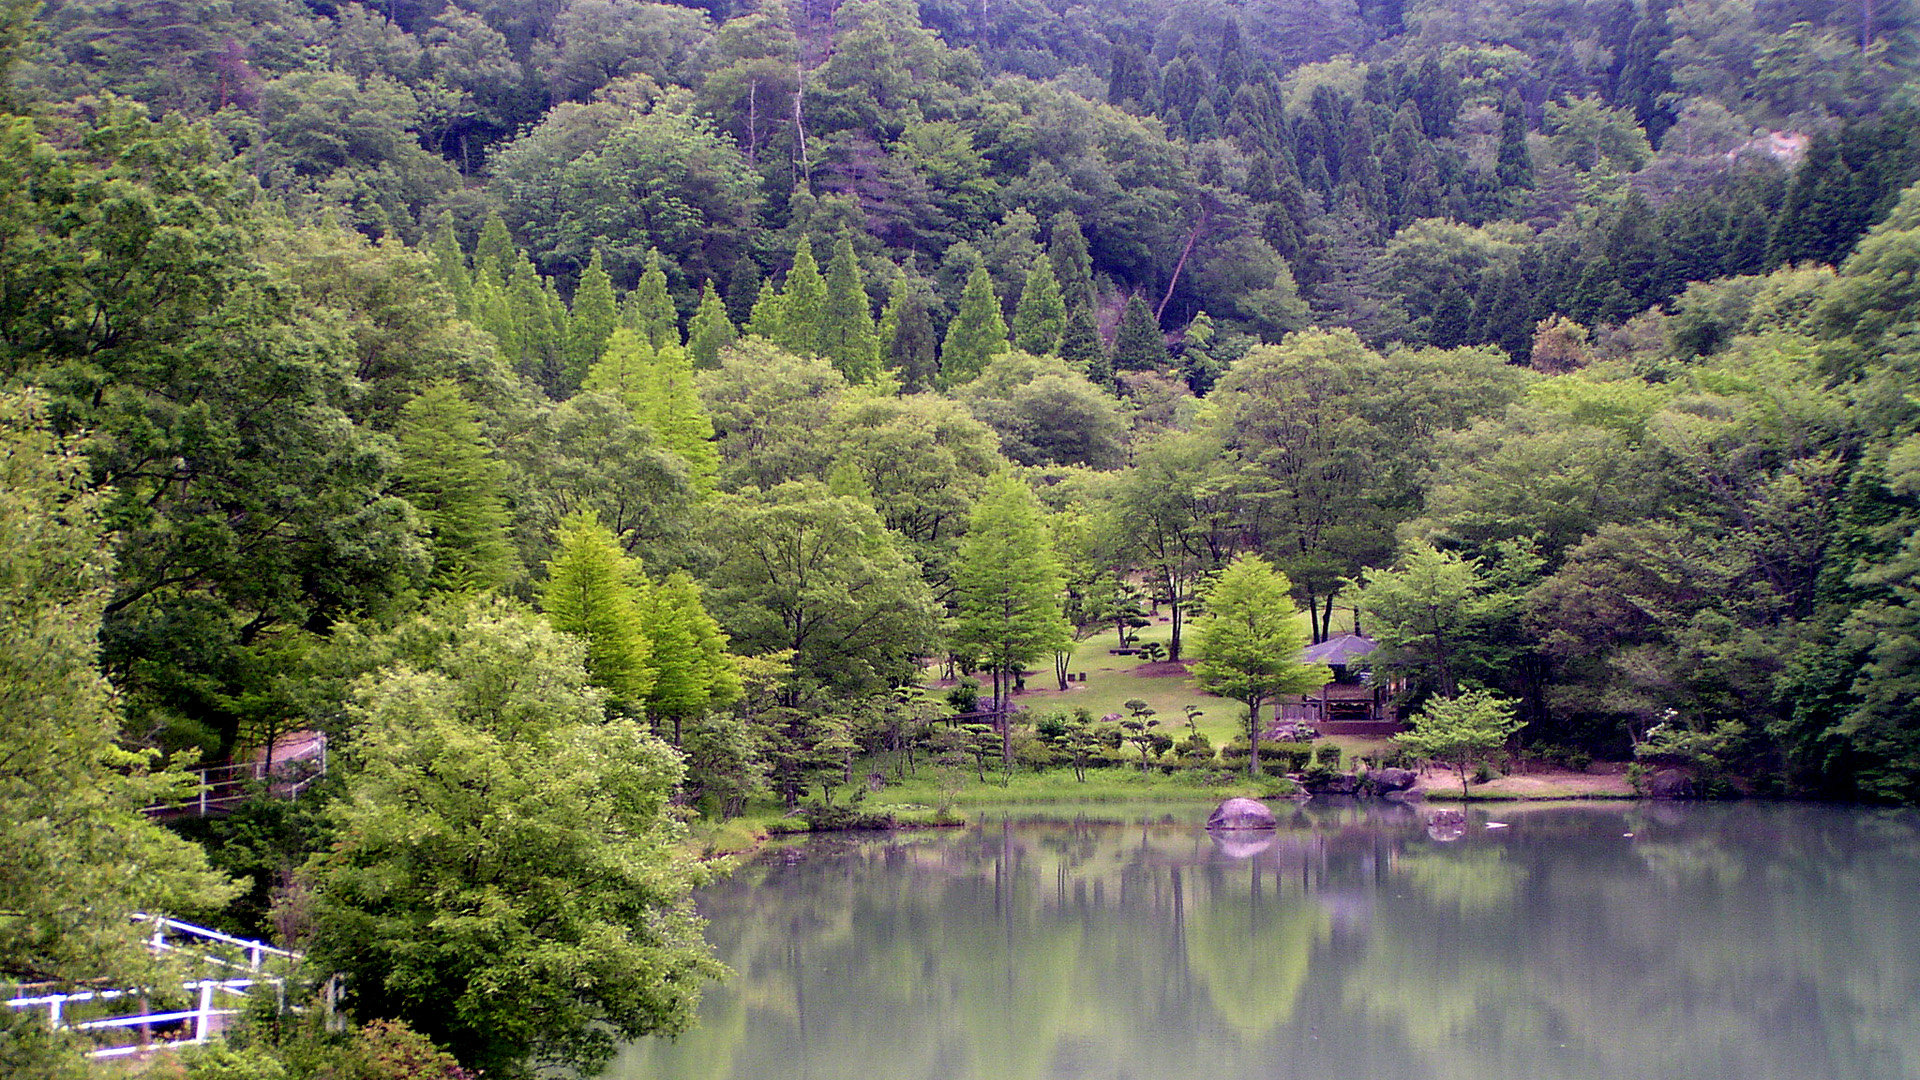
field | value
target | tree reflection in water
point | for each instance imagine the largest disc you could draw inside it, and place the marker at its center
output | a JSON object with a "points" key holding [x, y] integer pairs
{"points": [[1741, 941]]}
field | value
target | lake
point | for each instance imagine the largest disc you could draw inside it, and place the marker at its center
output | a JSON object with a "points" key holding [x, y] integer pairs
{"points": [[1679, 942]]}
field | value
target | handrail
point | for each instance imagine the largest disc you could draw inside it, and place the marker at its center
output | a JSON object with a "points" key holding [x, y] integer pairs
{"points": [[202, 1016]]}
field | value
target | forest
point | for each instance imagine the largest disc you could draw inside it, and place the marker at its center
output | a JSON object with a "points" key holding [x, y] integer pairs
{"points": [[594, 413]]}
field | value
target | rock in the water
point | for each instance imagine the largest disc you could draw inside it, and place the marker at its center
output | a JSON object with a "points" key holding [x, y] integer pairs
{"points": [[1670, 784], [1390, 780], [1241, 814], [1446, 825]]}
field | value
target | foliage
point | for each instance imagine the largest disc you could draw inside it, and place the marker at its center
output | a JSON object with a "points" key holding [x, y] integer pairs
{"points": [[72, 824], [1249, 642], [1457, 730], [504, 876]]}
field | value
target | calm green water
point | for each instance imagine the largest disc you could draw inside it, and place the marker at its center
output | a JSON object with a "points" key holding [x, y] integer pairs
{"points": [[1742, 941]]}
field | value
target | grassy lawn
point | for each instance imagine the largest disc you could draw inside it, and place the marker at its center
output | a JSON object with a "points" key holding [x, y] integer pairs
{"points": [[1113, 680]]}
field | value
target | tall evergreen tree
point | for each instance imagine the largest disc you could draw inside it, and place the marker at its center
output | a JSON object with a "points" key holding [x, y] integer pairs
{"points": [[1008, 584], [649, 307], [977, 333], [1072, 263], [495, 251], [910, 343], [1080, 344], [1514, 166], [595, 314], [743, 289], [1040, 319], [671, 407], [450, 264], [710, 331], [592, 591], [448, 472], [692, 671], [768, 318], [847, 336], [1138, 344], [803, 304]]}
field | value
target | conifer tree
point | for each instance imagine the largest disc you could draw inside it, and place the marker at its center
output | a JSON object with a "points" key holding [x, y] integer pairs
{"points": [[909, 339], [1008, 584], [1138, 345], [495, 250], [803, 304], [743, 289], [594, 316], [1080, 344], [847, 336], [1072, 263], [649, 307], [448, 472], [710, 331], [768, 319], [657, 387], [624, 368], [492, 313], [977, 333], [539, 345], [1040, 319], [670, 405], [1514, 167], [693, 672], [450, 264], [592, 591]]}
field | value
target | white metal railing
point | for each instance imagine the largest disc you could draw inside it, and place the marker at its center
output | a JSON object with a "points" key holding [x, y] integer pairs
{"points": [[223, 787], [251, 964]]}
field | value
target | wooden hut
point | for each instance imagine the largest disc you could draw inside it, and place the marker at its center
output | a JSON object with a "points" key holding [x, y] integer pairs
{"points": [[1354, 703]]}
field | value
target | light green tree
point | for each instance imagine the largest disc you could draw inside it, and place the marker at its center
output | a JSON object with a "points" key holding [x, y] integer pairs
{"points": [[1007, 590], [506, 874], [1249, 642], [1433, 613], [803, 305], [593, 590], [977, 333], [693, 672], [649, 307], [1458, 730], [1040, 318], [594, 318], [710, 331]]}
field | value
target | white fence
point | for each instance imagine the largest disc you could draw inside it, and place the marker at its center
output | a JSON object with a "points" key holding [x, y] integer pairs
{"points": [[231, 968], [297, 761]]}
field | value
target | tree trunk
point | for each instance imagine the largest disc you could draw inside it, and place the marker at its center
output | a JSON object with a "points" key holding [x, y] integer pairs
{"points": [[1253, 739]]}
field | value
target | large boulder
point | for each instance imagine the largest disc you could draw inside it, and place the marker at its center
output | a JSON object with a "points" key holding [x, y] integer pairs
{"points": [[1345, 783], [1242, 814], [1670, 784], [1387, 781]]}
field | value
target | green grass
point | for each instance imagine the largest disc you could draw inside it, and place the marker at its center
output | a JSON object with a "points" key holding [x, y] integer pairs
{"points": [[1104, 785], [1112, 682]]}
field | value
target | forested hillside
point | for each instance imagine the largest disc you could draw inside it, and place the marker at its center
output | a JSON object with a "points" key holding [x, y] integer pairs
{"points": [[452, 377]]}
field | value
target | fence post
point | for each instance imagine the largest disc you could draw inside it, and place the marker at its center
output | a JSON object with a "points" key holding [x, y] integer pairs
{"points": [[205, 1018], [53, 1012]]}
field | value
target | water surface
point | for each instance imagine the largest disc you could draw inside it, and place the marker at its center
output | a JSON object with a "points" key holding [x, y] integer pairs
{"points": [[1739, 941]]}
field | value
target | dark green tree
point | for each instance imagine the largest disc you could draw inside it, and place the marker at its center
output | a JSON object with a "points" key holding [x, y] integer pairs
{"points": [[449, 473], [1138, 344]]}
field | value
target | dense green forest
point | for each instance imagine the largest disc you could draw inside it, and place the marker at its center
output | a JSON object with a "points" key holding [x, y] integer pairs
{"points": [[618, 409]]}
